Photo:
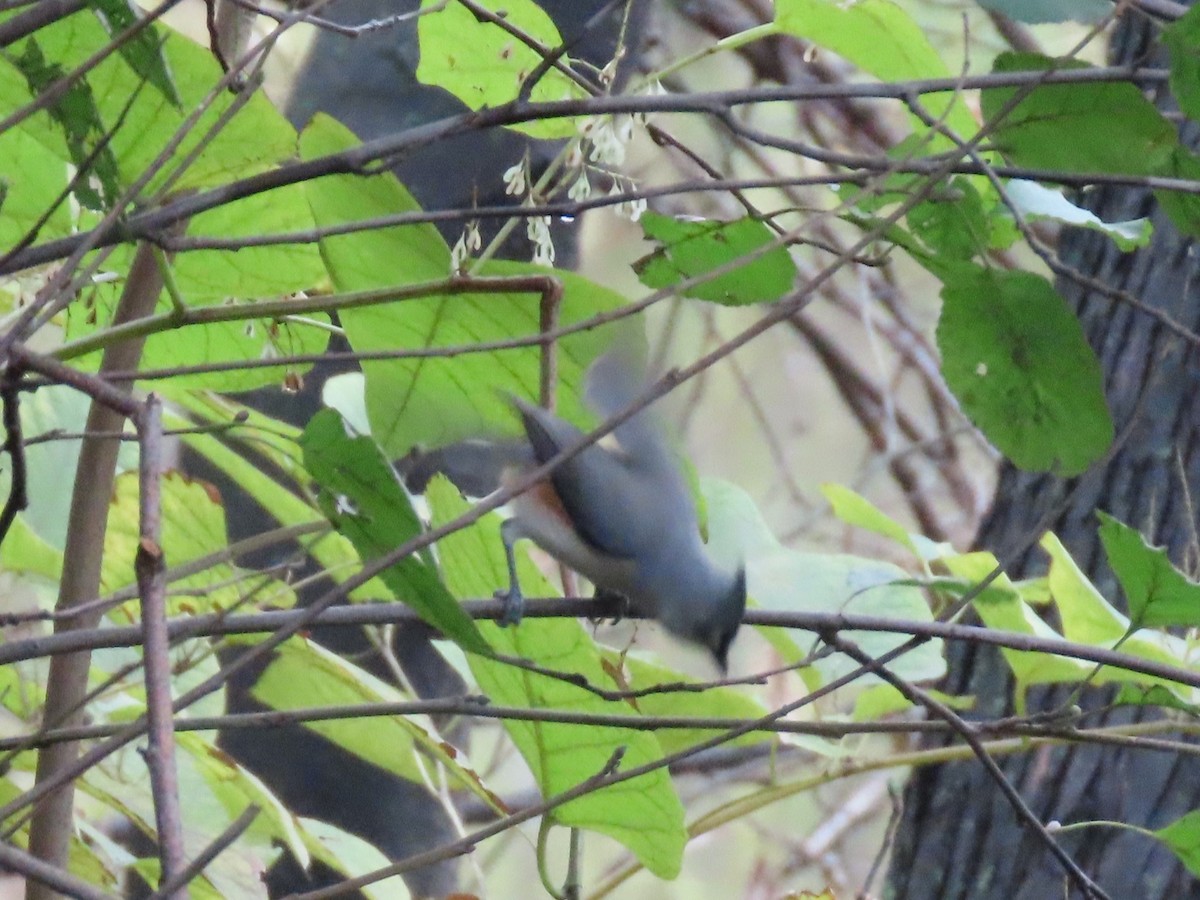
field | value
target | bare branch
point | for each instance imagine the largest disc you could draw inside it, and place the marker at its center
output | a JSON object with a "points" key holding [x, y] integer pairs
{"points": [[150, 568], [51, 828], [717, 105], [49, 876], [967, 733], [235, 830], [14, 446]]}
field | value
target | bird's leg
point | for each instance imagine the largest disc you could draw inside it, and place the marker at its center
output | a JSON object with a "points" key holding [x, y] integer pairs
{"points": [[615, 599], [514, 600]]}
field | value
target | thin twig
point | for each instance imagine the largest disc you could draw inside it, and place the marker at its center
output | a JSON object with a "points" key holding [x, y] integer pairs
{"points": [[14, 446], [50, 827], [1137, 735], [717, 104], [388, 613], [58, 434], [543, 285], [787, 306], [235, 830], [885, 846], [43, 13], [226, 554], [923, 698], [60, 880], [150, 568], [555, 208], [552, 58], [604, 779], [350, 31]]}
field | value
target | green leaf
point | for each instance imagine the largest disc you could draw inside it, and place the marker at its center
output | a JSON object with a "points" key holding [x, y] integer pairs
{"points": [[248, 340], [24, 551], [1159, 594], [719, 702], [1087, 617], [32, 181], [1182, 40], [831, 583], [1112, 127], [362, 496], [1183, 837], [233, 342], [215, 790], [737, 530], [1015, 357], [236, 143], [643, 813], [1182, 208], [77, 115], [303, 674], [1000, 606], [856, 510], [193, 526], [483, 65], [352, 856], [1154, 695], [229, 142], [15, 95], [836, 582], [954, 225], [690, 249], [440, 400], [230, 789], [270, 440], [142, 53], [738, 535], [962, 219], [334, 552], [207, 277], [880, 38], [95, 857]]}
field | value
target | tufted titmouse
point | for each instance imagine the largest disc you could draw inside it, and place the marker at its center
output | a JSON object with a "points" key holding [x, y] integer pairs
{"points": [[623, 518]]}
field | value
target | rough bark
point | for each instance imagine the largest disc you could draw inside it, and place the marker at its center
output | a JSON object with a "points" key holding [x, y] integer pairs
{"points": [[959, 838]]}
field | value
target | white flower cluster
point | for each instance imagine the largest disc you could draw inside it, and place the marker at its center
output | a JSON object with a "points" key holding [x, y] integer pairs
{"points": [[633, 207], [599, 149], [581, 189], [537, 228], [468, 243], [609, 136], [516, 177], [603, 141]]}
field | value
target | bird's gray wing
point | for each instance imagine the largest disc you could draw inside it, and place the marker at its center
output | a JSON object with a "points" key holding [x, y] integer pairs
{"points": [[614, 382], [607, 499]]}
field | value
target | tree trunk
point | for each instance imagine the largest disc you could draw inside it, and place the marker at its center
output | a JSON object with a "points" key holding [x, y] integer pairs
{"points": [[950, 848]]}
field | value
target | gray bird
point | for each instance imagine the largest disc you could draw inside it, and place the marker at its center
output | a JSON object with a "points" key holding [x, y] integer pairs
{"points": [[624, 519]]}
